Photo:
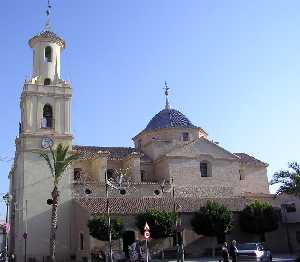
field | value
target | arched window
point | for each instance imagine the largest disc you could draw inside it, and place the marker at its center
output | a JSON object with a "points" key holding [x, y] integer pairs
{"points": [[48, 53], [110, 173], [205, 169], [47, 121], [47, 81]]}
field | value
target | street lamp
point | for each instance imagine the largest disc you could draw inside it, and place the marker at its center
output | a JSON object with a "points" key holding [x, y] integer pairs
{"points": [[119, 186], [178, 227], [178, 224], [6, 199]]}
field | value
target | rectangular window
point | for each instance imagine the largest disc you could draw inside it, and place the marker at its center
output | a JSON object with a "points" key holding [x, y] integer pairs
{"points": [[203, 169], [242, 174], [81, 241], [185, 136], [77, 173], [291, 207], [140, 144], [142, 175], [298, 236]]}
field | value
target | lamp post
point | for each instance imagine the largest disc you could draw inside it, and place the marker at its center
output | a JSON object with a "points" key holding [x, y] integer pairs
{"points": [[178, 224], [108, 216], [178, 228], [284, 207], [6, 199], [122, 191]]}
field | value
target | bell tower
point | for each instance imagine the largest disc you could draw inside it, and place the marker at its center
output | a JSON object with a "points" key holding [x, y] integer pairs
{"points": [[45, 121], [46, 98]]}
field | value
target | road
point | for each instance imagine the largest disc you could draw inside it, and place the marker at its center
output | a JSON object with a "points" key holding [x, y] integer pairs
{"points": [[275, 259]]}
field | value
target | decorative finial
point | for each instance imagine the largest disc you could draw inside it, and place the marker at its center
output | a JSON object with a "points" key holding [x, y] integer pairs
{"points": [[47, 24], [167, 94]]}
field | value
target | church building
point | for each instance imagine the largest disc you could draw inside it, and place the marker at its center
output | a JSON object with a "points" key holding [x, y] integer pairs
{"points": [[170, 152]]}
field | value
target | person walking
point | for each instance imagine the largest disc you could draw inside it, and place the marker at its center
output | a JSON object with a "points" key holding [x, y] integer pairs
{"points": [[233, 251], [225, 253]]}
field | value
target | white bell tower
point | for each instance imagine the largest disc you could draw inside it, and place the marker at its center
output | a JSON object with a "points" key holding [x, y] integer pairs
{"points": [[45, 121], [47, 47], [46, 98]]}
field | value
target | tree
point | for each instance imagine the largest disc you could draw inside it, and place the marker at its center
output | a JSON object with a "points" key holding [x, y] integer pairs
{"points": [[98, 227], [58, 162], [161, 223], [259, 218], [289, 180], [214, 220]]}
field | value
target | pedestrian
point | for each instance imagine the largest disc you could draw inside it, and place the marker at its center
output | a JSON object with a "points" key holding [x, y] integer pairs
{"points": [[225, 253], [233, 251]]}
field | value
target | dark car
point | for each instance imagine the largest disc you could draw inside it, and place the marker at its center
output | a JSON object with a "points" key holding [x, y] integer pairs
{"points": [[253, 252]]}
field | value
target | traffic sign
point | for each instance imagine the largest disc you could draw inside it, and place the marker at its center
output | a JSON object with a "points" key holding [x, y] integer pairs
{"points": [[146, 227], [146, 234], [5, 226]]}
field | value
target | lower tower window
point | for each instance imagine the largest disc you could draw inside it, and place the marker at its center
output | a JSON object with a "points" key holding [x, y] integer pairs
{"points": [[47, 121]]}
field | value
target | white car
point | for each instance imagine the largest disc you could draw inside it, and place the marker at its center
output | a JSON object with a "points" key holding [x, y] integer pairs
{"points": [[253, 252]]}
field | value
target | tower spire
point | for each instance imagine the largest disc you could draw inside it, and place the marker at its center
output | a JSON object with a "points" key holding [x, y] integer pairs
{"points": [[166, 88], [47, 24]]}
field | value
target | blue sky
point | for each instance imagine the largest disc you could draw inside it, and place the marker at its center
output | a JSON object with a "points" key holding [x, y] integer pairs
{"points": [[232, 66]]}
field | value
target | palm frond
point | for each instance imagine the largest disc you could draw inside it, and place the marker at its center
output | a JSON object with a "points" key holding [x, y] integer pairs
{"points": [[59, 162], [47, 159], [54, 160]]}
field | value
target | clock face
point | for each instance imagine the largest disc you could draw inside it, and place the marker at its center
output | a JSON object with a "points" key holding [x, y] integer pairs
{"points": [[47, 142]]}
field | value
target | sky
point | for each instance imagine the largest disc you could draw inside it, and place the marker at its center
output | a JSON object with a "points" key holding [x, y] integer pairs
{"points": [[232, 66]]}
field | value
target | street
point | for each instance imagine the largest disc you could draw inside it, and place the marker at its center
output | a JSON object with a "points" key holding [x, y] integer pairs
{"points": [[284, 258]]}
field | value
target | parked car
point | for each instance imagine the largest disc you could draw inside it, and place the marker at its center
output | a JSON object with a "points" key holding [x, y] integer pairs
{"points": [[253, 252]]}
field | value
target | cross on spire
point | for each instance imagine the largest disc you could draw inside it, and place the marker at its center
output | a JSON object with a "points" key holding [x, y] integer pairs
{"points": [[47, 24], [166, 88]]}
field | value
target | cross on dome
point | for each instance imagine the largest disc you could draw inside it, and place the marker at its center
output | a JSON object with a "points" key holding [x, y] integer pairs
{"points": [[166, 88]]}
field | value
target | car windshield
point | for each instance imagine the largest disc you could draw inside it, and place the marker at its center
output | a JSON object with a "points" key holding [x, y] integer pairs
{"points": [[247, 246]]}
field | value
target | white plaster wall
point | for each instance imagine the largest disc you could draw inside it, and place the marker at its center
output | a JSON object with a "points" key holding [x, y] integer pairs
{"points": [[38, 184], [35, 97], [40, 66], [133, 164], [255, 179]]}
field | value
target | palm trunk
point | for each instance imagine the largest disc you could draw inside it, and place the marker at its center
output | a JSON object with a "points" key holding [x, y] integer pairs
{"points": [[53, 226]]}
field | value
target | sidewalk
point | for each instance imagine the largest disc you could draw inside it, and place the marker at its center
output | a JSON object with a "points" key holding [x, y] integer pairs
{"points": [[276, 258]]}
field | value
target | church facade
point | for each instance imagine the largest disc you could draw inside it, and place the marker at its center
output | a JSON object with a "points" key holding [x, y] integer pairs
{"points": [[170, 152]]}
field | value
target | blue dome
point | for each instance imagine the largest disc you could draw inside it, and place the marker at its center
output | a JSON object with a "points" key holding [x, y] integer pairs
{"points": [[169, 118]]}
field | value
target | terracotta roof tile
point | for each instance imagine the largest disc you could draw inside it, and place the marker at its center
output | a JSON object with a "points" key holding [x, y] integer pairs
{"points": [[247, 159], [49, 35], [137, 205], [115, 152]]}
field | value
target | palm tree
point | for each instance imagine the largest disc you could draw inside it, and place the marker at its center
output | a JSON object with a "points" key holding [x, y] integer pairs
{"points": [[58, 161]]}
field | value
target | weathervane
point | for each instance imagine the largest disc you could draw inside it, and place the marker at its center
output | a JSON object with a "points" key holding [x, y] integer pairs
{"points": [[166, 88], [47, 25]]}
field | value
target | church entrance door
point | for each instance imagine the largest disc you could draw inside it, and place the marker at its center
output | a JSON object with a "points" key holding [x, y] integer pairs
{"points": [[128, 239]]}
